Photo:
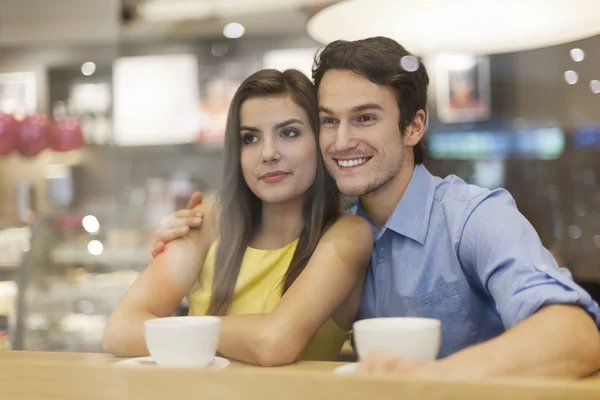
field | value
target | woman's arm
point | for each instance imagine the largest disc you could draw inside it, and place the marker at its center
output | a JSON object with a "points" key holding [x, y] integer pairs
{"points": [[158, 291], [332, 275]]}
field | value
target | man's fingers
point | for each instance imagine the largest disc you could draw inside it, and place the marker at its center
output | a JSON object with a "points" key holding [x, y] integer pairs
{"points": [[175, 223], [185, 213], [168, 235], [381, 362], [375, 362], [158, 248], [195, 200]]}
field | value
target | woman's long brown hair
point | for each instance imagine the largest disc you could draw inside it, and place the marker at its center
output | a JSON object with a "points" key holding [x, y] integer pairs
{"points": [[239, 208]]}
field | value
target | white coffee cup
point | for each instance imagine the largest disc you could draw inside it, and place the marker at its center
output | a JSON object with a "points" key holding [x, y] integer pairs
{"points": [[183, 341], [415, 338]]}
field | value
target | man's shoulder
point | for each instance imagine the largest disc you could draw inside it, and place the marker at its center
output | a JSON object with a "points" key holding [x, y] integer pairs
{"points": [[454, 188], [457, 199]]}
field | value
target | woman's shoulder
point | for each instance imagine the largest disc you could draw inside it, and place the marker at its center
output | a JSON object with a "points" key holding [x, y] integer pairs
{"points": [[351, 235], [353, 225]]}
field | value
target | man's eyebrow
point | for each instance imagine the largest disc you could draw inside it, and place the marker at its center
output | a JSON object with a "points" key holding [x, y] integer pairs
{"points": [[368, 106], [359, 108]]}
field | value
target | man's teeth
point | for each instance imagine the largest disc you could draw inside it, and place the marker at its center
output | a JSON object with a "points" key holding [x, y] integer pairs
{"points": [[352, 163]]}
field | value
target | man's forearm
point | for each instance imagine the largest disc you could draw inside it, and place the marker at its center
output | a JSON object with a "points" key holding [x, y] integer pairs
{"points": [[558, 341]]}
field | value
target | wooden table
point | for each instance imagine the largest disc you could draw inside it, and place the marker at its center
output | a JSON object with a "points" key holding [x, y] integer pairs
{"points": [[70, 376]]}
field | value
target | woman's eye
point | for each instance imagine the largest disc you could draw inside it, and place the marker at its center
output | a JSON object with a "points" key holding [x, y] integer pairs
{"points": [[249, 138], [289, 133]]}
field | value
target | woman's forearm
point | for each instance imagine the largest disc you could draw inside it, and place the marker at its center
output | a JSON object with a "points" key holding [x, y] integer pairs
{"points": [[247, 338], [254, 339], [124, 334]]}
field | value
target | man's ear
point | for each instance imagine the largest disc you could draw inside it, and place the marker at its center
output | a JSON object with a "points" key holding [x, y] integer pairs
{"points": [[416, 129]]}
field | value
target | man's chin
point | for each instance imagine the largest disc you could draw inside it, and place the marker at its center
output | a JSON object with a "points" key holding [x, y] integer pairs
{"points": [[353, 190]]}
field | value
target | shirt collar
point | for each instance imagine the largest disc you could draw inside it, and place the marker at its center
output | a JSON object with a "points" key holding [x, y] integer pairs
{"points": [[411, 216]]}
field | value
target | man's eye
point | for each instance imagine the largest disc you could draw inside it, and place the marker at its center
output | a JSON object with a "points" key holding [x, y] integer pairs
{"points": [[366, 118]]}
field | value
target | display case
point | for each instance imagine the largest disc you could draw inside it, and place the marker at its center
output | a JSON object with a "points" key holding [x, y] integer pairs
{"points": [[14, 243], [78, 268]]}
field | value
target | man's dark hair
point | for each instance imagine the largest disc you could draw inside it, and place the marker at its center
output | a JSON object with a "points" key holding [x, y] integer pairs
{"points": [[379, 60]]}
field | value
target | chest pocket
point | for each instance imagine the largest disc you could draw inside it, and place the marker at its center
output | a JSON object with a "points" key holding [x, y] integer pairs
{"points": [[446, 304]]}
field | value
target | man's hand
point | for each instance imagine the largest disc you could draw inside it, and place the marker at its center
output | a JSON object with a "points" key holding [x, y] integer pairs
{"points": [[558, 341], [178, 224], [380, 362]]}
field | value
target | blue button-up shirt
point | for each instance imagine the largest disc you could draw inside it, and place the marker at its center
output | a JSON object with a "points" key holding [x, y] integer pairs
{"points": [[466, 256]]}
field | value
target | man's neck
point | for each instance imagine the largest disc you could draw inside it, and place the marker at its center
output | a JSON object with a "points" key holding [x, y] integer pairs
{"points": [[381, 203]]}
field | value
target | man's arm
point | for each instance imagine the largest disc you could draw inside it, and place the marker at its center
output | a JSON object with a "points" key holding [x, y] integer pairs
{"points": [[558, 341], [179, 223], [552, 324]]}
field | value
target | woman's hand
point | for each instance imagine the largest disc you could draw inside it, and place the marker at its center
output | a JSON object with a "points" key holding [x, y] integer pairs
{"points": [[178, 224]]}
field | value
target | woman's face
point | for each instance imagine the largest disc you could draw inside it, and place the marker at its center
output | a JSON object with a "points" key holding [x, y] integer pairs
{"points": [[279, 154]]}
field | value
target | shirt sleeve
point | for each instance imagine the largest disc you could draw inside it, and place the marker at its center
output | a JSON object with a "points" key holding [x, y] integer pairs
{"points": [[502, 252]]}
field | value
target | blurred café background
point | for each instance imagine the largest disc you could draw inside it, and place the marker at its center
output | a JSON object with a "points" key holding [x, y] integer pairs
{"points": [[112, 113]]}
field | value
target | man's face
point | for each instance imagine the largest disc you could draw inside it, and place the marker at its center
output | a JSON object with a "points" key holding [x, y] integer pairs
{"points": [[360, 132]]}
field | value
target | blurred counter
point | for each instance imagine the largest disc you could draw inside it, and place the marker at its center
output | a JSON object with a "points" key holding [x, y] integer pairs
{"points": [[74, 272], [70, 376]]}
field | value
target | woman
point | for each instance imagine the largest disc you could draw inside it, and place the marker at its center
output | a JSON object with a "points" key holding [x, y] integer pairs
{"points": [[280, 266]]}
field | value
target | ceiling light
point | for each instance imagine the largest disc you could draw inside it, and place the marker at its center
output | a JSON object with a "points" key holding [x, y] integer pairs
{"points": [[571, 77], [409, 63], [577, 55], [219, 49], [233, 30], [95, 247], [595, 86], [574, 232], [90, 224], [457, 62], [178, 10], [470, 26], [88, 68]]}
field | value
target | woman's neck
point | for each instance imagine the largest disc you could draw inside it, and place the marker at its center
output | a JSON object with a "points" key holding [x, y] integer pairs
{"points": [[280, 225]]}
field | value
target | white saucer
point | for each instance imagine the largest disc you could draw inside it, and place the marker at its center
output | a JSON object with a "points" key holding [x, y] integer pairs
{"points": [[216, 363], [347, 369]]}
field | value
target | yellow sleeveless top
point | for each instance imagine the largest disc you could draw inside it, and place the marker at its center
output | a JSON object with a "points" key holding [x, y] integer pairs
{"points": [[258, 290]]}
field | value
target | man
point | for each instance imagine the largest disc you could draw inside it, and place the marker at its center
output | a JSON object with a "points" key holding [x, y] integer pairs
{"points": [[443, 249]]}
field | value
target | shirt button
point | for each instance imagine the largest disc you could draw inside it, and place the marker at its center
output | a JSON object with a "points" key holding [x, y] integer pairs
{"points": [[544, 267]]}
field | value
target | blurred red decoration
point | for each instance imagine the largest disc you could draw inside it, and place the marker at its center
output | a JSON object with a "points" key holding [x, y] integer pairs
{"points": [[34, 135], [9, 131], [67, 135]]}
